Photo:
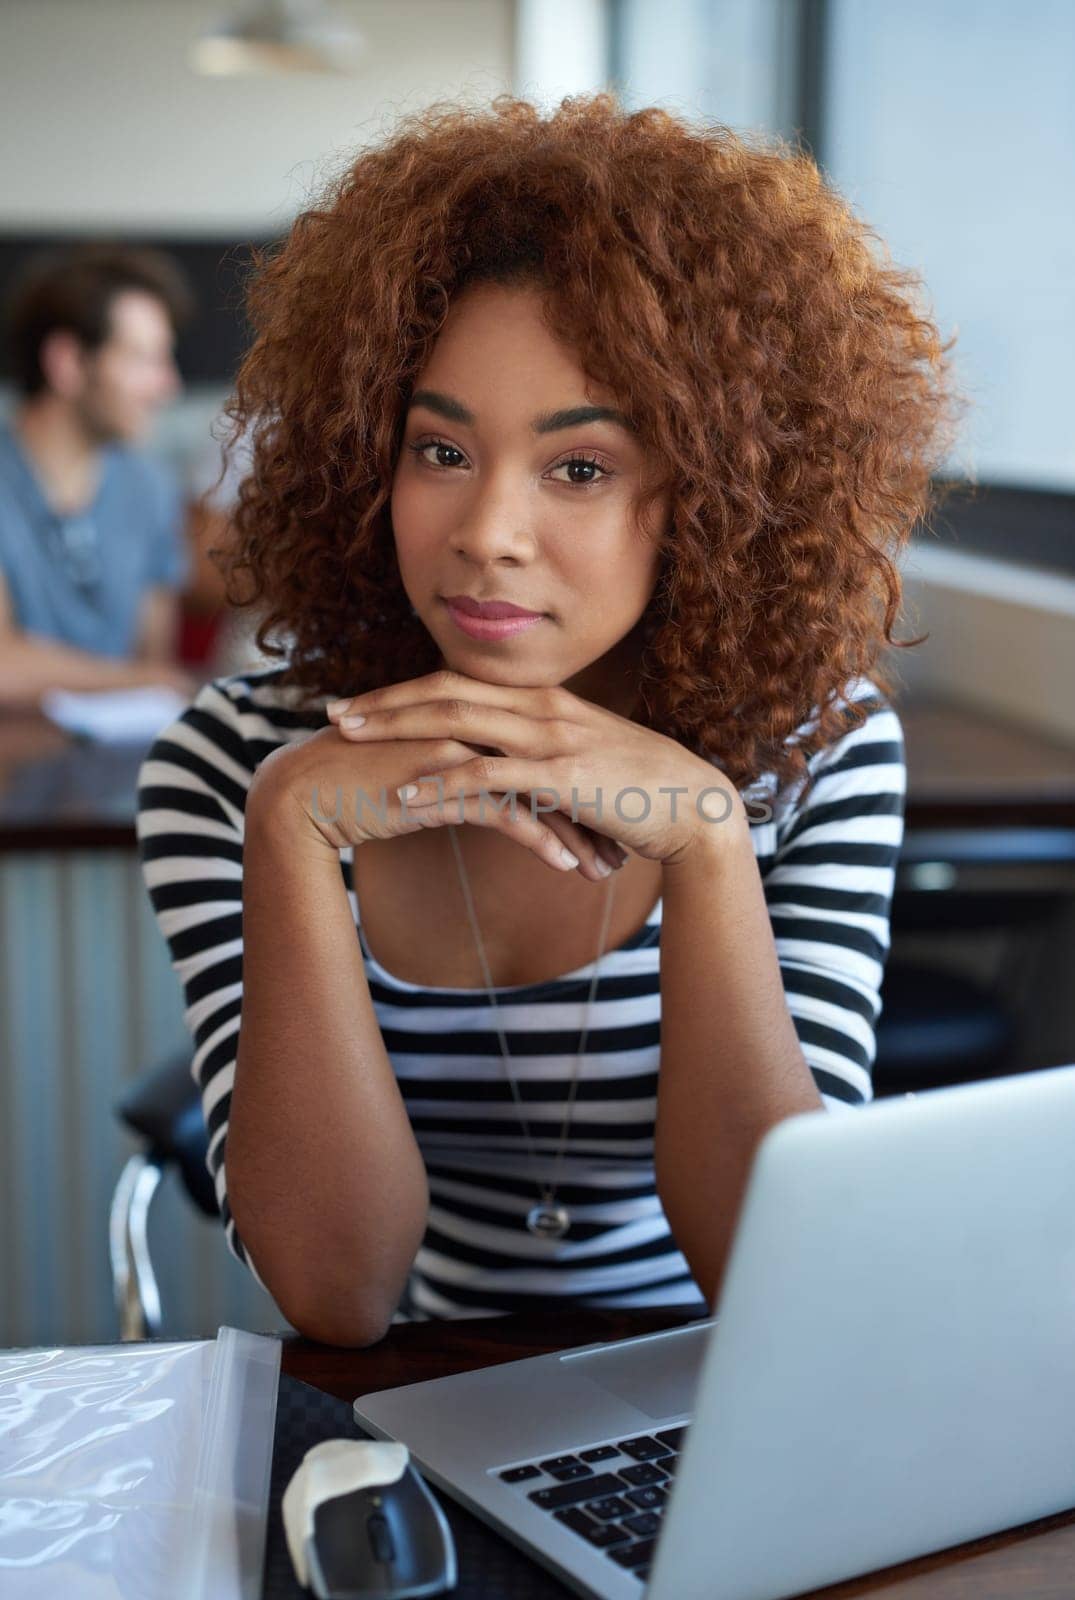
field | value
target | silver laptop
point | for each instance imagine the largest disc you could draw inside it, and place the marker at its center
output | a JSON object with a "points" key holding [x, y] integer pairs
{"points": [[891, 1370]]}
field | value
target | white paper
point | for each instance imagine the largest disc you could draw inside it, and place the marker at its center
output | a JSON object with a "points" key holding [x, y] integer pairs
{"points": [[114, 716]]}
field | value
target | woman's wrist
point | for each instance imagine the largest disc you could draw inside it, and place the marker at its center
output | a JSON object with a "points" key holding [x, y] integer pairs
{"points": [[277, 817], [715, 834]]}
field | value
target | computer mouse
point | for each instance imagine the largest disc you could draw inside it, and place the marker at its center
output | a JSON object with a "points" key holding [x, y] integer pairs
{"points": [[362, 1525]]}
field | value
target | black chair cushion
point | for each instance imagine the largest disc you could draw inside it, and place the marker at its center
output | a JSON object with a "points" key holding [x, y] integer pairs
{"points": [[939, 1027], [164, 1106]]}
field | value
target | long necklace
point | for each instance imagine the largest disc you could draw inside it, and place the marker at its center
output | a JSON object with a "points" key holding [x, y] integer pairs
{"points": [[548, 1219]]}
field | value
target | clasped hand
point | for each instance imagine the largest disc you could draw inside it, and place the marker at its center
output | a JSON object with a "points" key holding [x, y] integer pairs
{"points": [[551, 752]]}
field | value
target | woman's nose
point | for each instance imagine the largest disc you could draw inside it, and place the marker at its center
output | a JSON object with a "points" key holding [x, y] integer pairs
{"points": [[494, 531]]}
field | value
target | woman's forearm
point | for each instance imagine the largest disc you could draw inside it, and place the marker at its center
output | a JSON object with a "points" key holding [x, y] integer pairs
{"points": [[731, 1063], [325, 1180]]}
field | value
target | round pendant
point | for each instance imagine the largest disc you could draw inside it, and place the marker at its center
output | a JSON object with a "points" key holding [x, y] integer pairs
{"points": [[548, 1221]]}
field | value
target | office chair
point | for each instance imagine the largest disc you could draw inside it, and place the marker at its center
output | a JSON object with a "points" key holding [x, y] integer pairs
{"points": [[164, 1108], [938, 1026]]}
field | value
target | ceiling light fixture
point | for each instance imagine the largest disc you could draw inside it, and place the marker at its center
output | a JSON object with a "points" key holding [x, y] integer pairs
{"points": [[272, 36]]}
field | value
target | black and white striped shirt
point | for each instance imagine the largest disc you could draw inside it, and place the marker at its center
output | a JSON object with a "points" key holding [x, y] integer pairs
{"points": [[827, 866]]}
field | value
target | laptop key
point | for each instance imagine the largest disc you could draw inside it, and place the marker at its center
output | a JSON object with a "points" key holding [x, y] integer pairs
{"points": [[645, 1499], [669, 1464], [570, 1494], [599, 1534], [555, 1462], [607, 1509], [644, 1472], [568, 1474], [643, 1522], [520, 1474], [575, 1519], [638, 1554], [608, 1533], [643, 1448], [600, 1452], [672, 1437]]}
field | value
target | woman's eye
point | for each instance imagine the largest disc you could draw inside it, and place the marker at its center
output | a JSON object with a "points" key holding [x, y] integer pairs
{"points": [[590, 463], [420, 448], [587, 463]]}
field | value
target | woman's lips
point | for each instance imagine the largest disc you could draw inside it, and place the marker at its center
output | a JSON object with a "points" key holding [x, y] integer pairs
{"points": [[495, 610], [489, 627]]}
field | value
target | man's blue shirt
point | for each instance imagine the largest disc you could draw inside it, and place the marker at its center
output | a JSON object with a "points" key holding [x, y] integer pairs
{"points": [[80, 579]]}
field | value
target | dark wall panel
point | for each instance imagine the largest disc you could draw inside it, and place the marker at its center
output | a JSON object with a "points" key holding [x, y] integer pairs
{"points": [[1034, 527], [209, 348]]}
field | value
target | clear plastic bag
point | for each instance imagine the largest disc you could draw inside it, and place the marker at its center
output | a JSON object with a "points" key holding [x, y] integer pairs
{"points": [[137, 1471]]}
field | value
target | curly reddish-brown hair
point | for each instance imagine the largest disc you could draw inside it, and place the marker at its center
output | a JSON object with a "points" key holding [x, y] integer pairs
{"points": [[796, 398]]}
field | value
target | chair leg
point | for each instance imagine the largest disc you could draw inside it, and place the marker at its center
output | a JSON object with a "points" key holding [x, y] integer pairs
{"points": [[134, 1286]]}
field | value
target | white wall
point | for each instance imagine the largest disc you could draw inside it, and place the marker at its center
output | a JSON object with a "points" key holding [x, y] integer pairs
{"points": [[104, 125], [951, 128]]}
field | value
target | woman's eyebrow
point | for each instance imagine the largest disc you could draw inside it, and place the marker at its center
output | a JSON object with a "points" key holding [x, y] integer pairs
{"points": [[547, 422]]}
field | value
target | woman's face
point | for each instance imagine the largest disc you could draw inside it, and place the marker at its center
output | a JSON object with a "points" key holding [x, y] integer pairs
{"points": [[486, 503]]}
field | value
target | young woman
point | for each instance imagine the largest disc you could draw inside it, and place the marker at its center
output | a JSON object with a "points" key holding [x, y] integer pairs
{"points": [[647, 382]]}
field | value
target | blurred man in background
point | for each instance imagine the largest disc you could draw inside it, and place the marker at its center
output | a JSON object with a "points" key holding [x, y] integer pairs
{"points": [[93, 551]]}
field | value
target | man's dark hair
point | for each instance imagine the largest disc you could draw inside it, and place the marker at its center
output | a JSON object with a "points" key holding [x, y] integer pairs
{"points": [[73, 288]]}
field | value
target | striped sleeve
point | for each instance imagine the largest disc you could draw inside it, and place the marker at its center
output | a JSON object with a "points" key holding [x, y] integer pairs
{"points": [[829, 894], [192, 790]]}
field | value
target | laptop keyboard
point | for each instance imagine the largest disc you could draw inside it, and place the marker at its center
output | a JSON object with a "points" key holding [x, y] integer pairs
{"points": [[611, 1495]]}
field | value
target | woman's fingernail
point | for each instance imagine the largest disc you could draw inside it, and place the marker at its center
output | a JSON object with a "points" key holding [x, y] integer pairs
{"points": [[334, 707], [568, 859], [602, 866], [351, 722]]}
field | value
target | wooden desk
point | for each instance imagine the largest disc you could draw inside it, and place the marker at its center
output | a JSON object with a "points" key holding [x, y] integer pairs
{"points": [[1034, 1562]]}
